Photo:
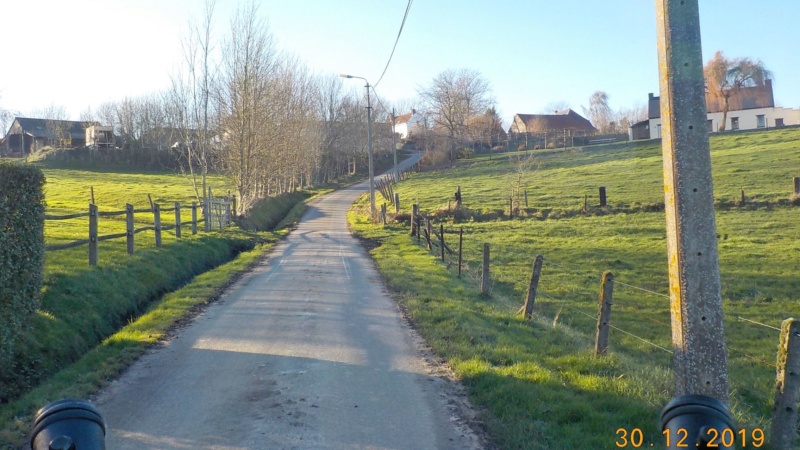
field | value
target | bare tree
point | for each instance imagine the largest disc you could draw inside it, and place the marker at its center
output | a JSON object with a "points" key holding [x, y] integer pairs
{"points": [[452, 98], [600, 113], [554, 107], [726, 77]]}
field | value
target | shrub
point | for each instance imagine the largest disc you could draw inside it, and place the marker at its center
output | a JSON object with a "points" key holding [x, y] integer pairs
{"points": [[21, 251], [465, 153]]}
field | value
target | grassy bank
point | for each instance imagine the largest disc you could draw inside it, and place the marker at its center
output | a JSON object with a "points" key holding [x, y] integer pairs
{"points": [[127, 302], [538, 380]]}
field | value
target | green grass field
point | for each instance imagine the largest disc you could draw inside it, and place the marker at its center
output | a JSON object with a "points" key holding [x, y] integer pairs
{"points": [[538, 380]]}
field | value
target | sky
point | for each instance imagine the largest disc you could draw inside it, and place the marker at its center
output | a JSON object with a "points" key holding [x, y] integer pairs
{"points": [[78, 54]]}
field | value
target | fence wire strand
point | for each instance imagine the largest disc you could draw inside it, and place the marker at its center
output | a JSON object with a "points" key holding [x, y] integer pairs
{"points": [[758, 323], [640, 288]]}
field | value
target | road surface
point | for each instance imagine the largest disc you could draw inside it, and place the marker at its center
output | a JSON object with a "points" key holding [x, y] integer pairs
{"points": [[307, 351]]}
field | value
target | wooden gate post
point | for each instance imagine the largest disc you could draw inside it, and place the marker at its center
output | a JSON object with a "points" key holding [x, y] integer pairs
{"points": [[157, 223], [604, 314], [194, 217], [698, 336], [485, 274], [92, 234], [129, 231], [787, 385], [177, 220], [535, 275]]}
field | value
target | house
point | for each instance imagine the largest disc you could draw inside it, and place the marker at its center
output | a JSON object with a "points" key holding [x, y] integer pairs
{"points": [[28, 135], [640, 130], [565, 120], [750, 108], [98, 136], [404, 124]]}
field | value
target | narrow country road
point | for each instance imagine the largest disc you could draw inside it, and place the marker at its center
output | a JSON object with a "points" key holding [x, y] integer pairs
{"points": [[306, 351]]}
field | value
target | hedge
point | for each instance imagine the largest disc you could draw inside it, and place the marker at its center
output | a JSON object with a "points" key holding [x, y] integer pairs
{"points": [[21, 251]]}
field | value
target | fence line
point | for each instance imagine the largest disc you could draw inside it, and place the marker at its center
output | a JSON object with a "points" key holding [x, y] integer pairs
{"points": [[219, 210], [781, 365]]}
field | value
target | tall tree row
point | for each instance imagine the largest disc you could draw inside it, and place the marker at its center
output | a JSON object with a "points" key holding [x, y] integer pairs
{"points": [[244, 108]]}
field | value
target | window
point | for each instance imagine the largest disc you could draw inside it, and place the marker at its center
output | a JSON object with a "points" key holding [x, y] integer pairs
{"points": [[761, 122], [710, 125], [734, 123], [778, 122]]}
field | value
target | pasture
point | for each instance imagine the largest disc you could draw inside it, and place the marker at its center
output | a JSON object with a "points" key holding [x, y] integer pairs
{"points": [[539, 381]]}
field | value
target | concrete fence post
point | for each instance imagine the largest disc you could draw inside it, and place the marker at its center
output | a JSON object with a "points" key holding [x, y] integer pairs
{"points": [[92, 234], [602, 196], [157, 223], [129, 230], [485, 274], [796, 183], [787, 385], [396, 203], [177, 220], [604, 314], [533, 286]]}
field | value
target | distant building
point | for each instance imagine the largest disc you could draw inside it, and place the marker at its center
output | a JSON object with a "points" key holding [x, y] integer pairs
{"points": [[27, 135], [404, 124], [563, 120], [98, 136], [750, 108]]}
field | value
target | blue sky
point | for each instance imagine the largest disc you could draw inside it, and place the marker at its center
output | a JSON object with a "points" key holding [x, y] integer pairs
{"points": [[534, 53]]}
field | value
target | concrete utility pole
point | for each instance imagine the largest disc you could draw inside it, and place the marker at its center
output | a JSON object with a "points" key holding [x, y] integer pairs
{"points": [[694, 282]]}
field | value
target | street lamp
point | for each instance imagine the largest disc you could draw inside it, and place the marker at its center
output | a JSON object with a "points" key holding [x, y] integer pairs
{"points": [[369, 139]]}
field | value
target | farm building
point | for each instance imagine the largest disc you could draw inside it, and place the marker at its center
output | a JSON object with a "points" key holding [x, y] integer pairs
{"points": [[750, 108], [559, 121], [28, 135]]}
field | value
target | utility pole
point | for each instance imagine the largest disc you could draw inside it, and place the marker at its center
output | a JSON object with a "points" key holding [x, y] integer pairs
{"points": [[694, 280], [369, 143], [394, 147]]}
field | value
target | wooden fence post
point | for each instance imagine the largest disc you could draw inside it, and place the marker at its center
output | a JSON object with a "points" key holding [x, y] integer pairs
{"points": [[604, 314], [194, 217], [586, 202], [458, 197], [602, 196], [91, 191], [460, 243], [535, 275], [157, 223], [92, 234], [233, 206], [414, 213], [383, 213], [177, 220], [796, 183], [129, 231], [441, 238], [428, 233], [396, 203], [510, 207], [485, 275], [787, 385], [526, 198]]}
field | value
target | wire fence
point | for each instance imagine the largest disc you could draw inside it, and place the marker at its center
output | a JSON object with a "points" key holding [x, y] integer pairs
{"points": [[568, 295]]}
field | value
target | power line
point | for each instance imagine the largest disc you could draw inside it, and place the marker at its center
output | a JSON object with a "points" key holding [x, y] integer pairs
{"points": [[408, 7]]}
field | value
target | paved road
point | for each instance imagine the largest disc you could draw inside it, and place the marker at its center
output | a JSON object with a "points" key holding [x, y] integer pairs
{"points": [[307, 351]]}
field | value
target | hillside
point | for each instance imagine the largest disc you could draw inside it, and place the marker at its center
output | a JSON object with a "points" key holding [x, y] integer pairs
{"points": [[539, 381]]}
